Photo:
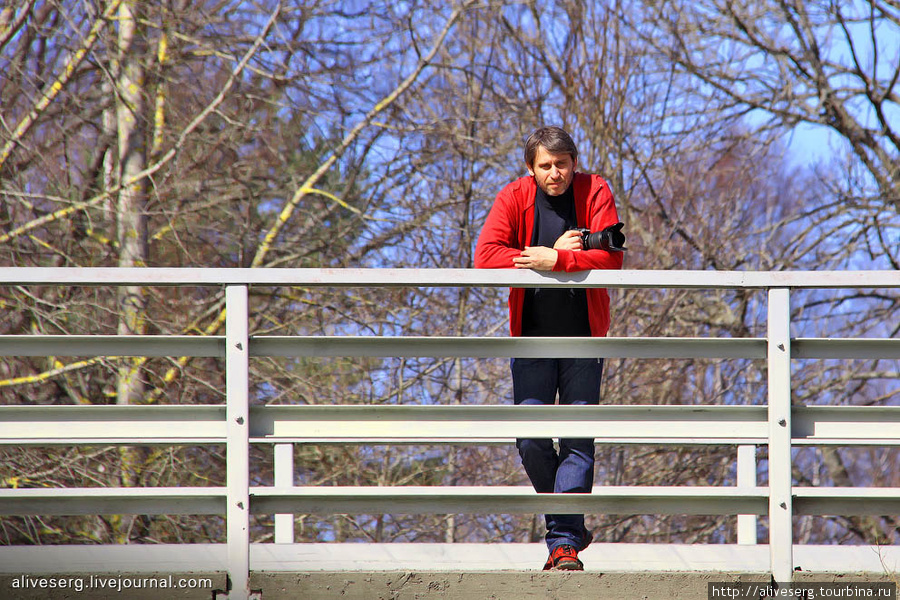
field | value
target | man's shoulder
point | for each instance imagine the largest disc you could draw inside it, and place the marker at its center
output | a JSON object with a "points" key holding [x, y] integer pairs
{"points": [[520, 189], [591, 179], [525, 182]]}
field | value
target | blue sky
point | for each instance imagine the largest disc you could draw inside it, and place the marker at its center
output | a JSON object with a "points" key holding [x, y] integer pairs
{"points": [[810, 144]]}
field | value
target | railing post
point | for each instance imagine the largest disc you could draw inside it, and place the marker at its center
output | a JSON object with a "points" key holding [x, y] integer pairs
{"points": [[746, 477], [284, 477], [779, 382], [237, 453]]}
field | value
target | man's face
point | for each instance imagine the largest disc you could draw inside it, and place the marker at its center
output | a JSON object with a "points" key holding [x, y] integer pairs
{"points": [[553, 172]]}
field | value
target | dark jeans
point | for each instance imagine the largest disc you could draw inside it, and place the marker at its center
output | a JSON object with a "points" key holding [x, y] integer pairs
{"points": [[571, 470]]}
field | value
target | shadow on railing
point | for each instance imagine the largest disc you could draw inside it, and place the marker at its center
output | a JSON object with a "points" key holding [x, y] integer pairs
{"points": [[777, 425]]}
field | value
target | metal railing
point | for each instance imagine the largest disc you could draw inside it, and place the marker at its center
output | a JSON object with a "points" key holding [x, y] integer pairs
{"points": [[777, 425]]}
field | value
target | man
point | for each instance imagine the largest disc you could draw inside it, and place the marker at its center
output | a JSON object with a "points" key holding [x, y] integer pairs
{"points": [[532, 225]]}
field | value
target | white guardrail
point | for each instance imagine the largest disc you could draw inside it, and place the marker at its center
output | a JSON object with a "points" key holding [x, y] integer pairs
{"points": [[777, 425]]}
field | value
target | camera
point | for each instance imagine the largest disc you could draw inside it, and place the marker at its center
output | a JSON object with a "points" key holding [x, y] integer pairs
{"points": [[610, 239]]}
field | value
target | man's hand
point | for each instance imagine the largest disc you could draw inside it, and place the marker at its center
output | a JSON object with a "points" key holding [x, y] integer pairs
{"points": [[570, 240], [540, 258]]}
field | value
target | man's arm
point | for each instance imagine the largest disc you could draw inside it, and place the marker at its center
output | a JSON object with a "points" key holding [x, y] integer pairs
{"points": [[603, 215], [542, 258], [498, 241]]}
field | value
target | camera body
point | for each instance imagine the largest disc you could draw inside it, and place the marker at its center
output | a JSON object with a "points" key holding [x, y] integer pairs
{"points": [[610, 239]]}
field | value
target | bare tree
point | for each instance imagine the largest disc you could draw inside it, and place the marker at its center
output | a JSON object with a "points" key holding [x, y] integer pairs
{"points": [[777, 65], [770, 68], [265, 159], [275, 134]]}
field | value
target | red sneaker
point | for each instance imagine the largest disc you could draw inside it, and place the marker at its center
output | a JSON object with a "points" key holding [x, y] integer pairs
{"points": [[564, 558]]}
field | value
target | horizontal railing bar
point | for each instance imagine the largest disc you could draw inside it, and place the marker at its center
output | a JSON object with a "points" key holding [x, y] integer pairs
{"points": [[112, 345], [871, 348], [87, 440], [371, 346], [108, 501], [742, 424], [508, 500], [498, 441], [112, 425], [443, 424], [423, 346], [875, 442], [665, 424], [709, 500], [845, 425], [697, 279], [846, 501], [505, 347], [420, 346]]}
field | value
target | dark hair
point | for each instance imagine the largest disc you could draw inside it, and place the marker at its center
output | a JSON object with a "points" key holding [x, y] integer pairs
{"points": [[554, 139]]}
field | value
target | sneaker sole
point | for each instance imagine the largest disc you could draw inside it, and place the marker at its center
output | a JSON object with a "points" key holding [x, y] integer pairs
{"points": [[568, 565]]}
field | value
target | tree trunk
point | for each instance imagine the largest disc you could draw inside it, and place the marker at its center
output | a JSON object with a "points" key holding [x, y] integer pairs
{"points": [[131, 226]]}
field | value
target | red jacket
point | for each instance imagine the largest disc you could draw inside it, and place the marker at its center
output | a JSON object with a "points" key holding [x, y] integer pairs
{"points": [[508, 228]]}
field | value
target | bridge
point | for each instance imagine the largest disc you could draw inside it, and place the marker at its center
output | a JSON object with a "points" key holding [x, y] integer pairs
{"points": [[239, 569]]}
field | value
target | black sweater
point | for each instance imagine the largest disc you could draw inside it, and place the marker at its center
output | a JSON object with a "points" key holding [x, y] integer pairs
{"points": [[554, 311]]}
